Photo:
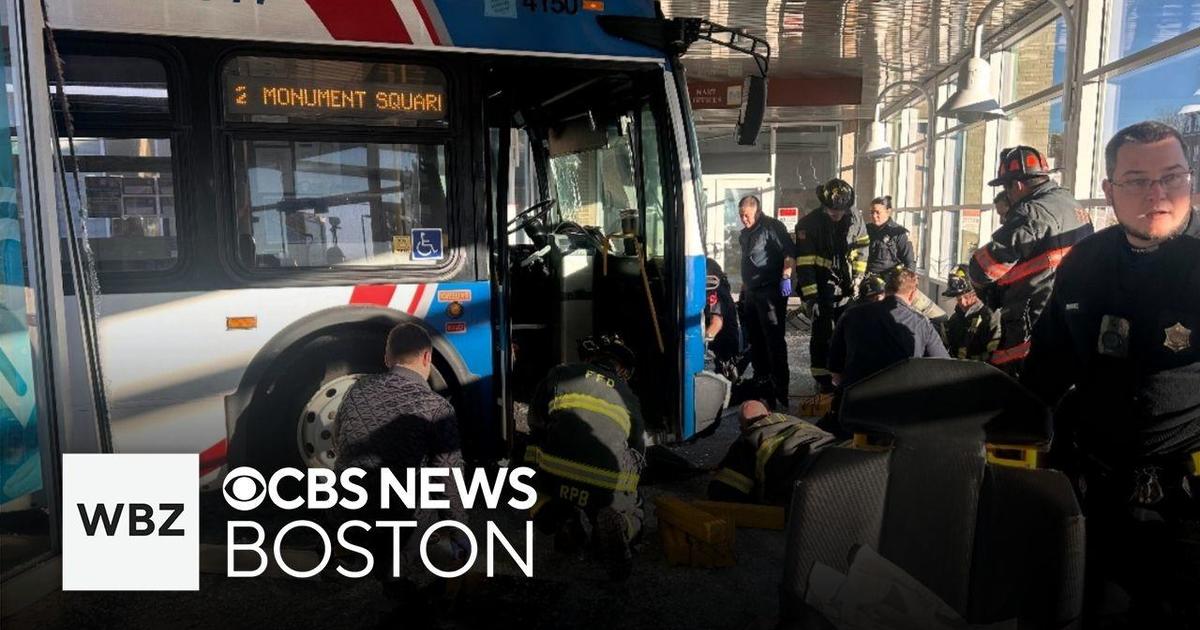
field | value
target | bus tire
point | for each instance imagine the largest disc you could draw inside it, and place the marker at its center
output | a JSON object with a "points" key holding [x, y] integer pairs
{"points": [[299, 375]]}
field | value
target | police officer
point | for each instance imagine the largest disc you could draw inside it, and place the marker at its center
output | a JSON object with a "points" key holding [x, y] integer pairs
{"points": [[722, 331], [587, 442], [890, 246], [874, 336], [973, 331], [768, 456], [766, 285], [831, 251], [1123, 328], [1016, 269]]}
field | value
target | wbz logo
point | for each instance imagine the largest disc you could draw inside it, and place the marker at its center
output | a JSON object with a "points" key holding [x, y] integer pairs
{"points": [[140, 517], [131, 522]]}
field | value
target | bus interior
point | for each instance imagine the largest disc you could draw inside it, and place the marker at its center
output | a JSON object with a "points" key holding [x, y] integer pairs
{"points": [[588, 244]]}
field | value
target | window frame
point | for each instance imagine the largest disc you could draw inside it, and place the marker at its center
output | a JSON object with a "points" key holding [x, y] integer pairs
{"points": [[170, 126], [457, 230]]}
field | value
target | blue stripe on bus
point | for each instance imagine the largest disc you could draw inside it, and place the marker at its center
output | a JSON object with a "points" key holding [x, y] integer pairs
{"points": [[474, 343], [533, 25], [693, 339]]}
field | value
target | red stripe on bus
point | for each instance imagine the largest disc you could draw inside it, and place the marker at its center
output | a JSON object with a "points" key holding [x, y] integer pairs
{"points": [[376, 294], [433, 34], [213, 457], [416, 301], [361, 20]]}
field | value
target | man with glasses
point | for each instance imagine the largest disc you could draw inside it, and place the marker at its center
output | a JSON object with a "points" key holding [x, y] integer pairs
{"points": [[1014, 272], [1123, 329]]}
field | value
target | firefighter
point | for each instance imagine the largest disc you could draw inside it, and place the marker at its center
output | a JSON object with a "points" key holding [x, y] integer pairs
{"points": [[768, 456], [890, 246], [587, 442], [973, 331], [766, 285], [1123, 330], [831, 253], [722, 331], [1016, 269]]}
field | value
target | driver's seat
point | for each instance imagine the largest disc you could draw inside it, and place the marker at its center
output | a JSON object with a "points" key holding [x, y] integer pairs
{"points": [[994, 542]]}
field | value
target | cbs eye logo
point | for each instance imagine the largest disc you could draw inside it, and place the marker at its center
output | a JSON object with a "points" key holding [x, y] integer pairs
{"points": [[244, 488]]}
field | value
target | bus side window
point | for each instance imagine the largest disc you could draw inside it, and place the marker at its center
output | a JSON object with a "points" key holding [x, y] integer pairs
{"points": [[126, 178]]}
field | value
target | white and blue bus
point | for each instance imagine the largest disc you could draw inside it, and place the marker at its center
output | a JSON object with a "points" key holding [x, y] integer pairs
{"points": [[270, 185]]}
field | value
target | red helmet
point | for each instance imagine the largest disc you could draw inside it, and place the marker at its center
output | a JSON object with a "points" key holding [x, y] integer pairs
{"points": [[1020, 162]]}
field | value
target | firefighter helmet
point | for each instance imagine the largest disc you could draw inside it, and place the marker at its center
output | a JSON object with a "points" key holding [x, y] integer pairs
{"points": [[1020, 162], [836, 194], [608, 346], [871, 285], [958, 283]]}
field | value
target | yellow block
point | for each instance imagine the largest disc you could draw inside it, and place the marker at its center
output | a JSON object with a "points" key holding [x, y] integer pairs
{"points": [[675, 545], [693, 521], [815, 406], [745, 514], [711, 556]]}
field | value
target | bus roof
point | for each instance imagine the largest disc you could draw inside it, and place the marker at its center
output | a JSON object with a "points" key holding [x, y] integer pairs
{"points": [[536, 26]]}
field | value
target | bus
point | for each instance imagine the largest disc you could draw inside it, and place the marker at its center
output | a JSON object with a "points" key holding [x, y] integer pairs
{"points": [[269, 186]]}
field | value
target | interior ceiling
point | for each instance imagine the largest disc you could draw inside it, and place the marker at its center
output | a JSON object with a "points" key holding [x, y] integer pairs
{"points": [[881, 41]]}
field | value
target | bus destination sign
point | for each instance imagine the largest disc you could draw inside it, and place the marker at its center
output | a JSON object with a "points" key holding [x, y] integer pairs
{"points": [[320, 99]]}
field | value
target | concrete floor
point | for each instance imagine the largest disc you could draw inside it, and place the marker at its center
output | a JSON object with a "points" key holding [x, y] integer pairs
{"points": [[566, 592]]}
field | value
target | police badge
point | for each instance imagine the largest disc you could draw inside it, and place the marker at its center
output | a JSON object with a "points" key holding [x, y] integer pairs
{"points": [[1178, 338]]}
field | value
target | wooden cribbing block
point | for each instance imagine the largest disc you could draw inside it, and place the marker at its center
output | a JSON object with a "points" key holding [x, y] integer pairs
{"points": [[710, 555], [693, 521], [745, 514], [675, 545]]}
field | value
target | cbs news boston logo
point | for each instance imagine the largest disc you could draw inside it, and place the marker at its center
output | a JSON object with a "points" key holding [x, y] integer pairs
{"points": [[131, 522]]}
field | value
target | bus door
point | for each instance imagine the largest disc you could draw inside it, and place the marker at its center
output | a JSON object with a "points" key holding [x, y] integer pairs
{"points": [[581, 170]]}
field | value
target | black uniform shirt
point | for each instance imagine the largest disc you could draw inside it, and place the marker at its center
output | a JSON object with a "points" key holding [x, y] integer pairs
{"points": [[873, 336], [1123, 327], [973, 333], [889, 247], [719, 302], [764, 247]]}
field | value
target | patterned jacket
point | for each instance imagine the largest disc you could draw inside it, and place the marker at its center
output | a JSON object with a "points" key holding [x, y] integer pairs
{"points": [[394, 420]]}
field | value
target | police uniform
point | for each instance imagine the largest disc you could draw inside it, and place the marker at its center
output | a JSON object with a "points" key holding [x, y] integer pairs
{"points": [[727, 344], [829, 258], [1016, 269], [587, 443], [1123, 327], [765, 245], [871, 337], [889, 247], [770, 454], [973, 333]]}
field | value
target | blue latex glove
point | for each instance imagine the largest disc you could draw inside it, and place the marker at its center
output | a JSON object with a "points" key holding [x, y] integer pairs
{"points": [[785, 287]]}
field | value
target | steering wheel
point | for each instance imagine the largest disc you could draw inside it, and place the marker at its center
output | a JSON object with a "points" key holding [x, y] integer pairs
{"points": [[536, 212]]}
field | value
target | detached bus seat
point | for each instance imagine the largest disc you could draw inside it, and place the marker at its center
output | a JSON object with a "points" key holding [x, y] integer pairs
{"points": [[994, 541]]}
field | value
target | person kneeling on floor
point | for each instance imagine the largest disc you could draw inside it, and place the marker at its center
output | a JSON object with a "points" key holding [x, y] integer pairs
{"points": [[587, 442]]}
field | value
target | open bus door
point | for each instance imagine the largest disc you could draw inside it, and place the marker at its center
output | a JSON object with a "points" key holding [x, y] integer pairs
{"points": [[581, 205]]}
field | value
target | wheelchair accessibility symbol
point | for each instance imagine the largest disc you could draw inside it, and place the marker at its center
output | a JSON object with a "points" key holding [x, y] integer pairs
{"points": [[427, 244]]}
